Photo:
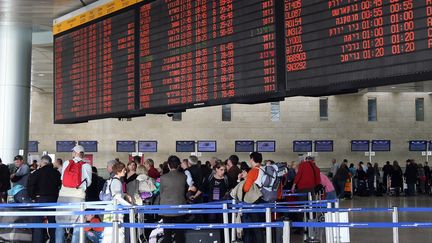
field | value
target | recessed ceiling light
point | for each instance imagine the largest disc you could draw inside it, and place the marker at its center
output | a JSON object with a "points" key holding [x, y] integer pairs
{"points": [[393, 87], [41, 74]]}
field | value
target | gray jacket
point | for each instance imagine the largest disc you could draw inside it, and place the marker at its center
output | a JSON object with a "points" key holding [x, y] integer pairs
{"points": [[173, 189]]}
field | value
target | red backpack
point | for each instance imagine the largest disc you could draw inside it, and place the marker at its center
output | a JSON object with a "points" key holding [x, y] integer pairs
{"points": [[72, 175]]}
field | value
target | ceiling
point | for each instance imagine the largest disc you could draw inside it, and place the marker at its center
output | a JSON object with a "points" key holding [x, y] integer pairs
{"points": [[40, 14]]}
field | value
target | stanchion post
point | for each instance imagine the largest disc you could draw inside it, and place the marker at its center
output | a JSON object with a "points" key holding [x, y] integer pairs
{"points": [[115, 234], [338, 221], [133, 236], [82, 221], [233, 215], [268, 229], [395, 229], [286, 234], [226, 221], [328, 230]]}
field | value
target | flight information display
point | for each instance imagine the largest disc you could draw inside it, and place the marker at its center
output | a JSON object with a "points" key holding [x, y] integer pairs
{"points": [[203, 52], [95, 69], [166, 56], [340, 44]]}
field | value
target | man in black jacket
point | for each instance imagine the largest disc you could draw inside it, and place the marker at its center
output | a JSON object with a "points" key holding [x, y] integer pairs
{"points": [[411, 174], [43, 187], [92, 192], [4, 182]]}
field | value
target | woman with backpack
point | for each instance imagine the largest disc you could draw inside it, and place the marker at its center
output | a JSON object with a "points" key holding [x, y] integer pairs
{"points": [[114, 189], [216, 186]]}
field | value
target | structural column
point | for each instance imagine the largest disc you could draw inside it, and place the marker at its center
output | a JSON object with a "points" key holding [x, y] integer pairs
{"points": [[15, 74]]}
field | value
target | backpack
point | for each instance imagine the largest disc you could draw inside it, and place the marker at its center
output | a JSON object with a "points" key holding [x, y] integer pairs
{"points": [[106, 193], [72, 175], [269, 179]]}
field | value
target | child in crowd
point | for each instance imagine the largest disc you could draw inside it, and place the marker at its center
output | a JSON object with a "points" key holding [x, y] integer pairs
{"points": [[94, 235]]}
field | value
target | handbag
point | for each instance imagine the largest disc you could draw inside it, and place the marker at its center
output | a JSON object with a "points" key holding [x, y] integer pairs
{"points": [[253, 194]]}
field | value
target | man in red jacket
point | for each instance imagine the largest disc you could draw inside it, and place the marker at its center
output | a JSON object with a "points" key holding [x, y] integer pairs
{"points": [[307, 177]]}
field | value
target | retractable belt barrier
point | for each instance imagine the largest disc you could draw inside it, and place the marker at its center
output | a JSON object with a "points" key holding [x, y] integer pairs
{"points": [[224, 207]]}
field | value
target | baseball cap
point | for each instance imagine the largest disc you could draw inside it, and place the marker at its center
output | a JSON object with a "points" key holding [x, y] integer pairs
{"points": [[78, 149], [18, 157]]}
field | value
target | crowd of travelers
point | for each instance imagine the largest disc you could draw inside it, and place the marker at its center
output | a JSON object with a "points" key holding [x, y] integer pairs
{"points": [[370, 180], [189, 181]]}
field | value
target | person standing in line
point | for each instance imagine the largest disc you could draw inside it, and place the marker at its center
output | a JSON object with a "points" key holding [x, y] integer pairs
{"points": [[342, 175], [43, 187], [4, 182], [116, 189], [387, 172], [151, 170], [397, 178], [252, 235], [76, 178], [411, 174], [19, 179], [233, 170], [333, 169], [110, 164], [427, 171], [92, 192], [58, 164], [173, 192]]}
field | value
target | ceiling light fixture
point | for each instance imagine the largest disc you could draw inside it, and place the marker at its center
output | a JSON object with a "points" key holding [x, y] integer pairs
{"points": [[41, 74]]}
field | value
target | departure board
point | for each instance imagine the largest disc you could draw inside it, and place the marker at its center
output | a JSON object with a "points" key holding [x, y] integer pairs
{"points": [[165, 56], [95, 69], [203, 51], [339, 44]]}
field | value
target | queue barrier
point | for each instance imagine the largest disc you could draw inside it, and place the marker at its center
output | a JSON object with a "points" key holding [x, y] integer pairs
{"points": [[312, 207]]}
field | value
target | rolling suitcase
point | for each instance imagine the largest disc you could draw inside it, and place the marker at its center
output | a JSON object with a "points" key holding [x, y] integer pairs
{"points": [[203, 236]]}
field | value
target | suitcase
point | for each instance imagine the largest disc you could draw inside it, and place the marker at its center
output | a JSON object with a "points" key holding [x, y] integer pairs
{"points": [[203, 236]]}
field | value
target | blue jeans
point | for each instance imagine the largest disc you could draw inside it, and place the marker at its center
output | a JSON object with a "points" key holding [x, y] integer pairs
{"points": [[341, 187], [94, 236], [59, 234]]}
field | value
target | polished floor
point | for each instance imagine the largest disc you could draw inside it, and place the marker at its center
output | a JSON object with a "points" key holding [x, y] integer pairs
{"points": [[385, 235]]}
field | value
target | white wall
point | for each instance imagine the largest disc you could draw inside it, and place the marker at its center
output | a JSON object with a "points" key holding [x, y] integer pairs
{"points": [[299, 119]]}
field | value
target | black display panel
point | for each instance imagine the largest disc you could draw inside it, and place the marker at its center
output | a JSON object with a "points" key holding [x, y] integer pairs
{"points": [[302, 146], [244, 146], [337, 45], [65, 146], [381, 145], [94, 69], [266, 146], [33, 146], [167, 55], [147, 146], [207, 146], [418, 145], [185, 146], [360, 145], [323, 145], [126, 146], [206, 52], [89, 146]]}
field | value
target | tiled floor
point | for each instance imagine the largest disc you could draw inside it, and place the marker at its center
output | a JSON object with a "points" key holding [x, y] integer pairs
{"points": [[385, 235]]}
